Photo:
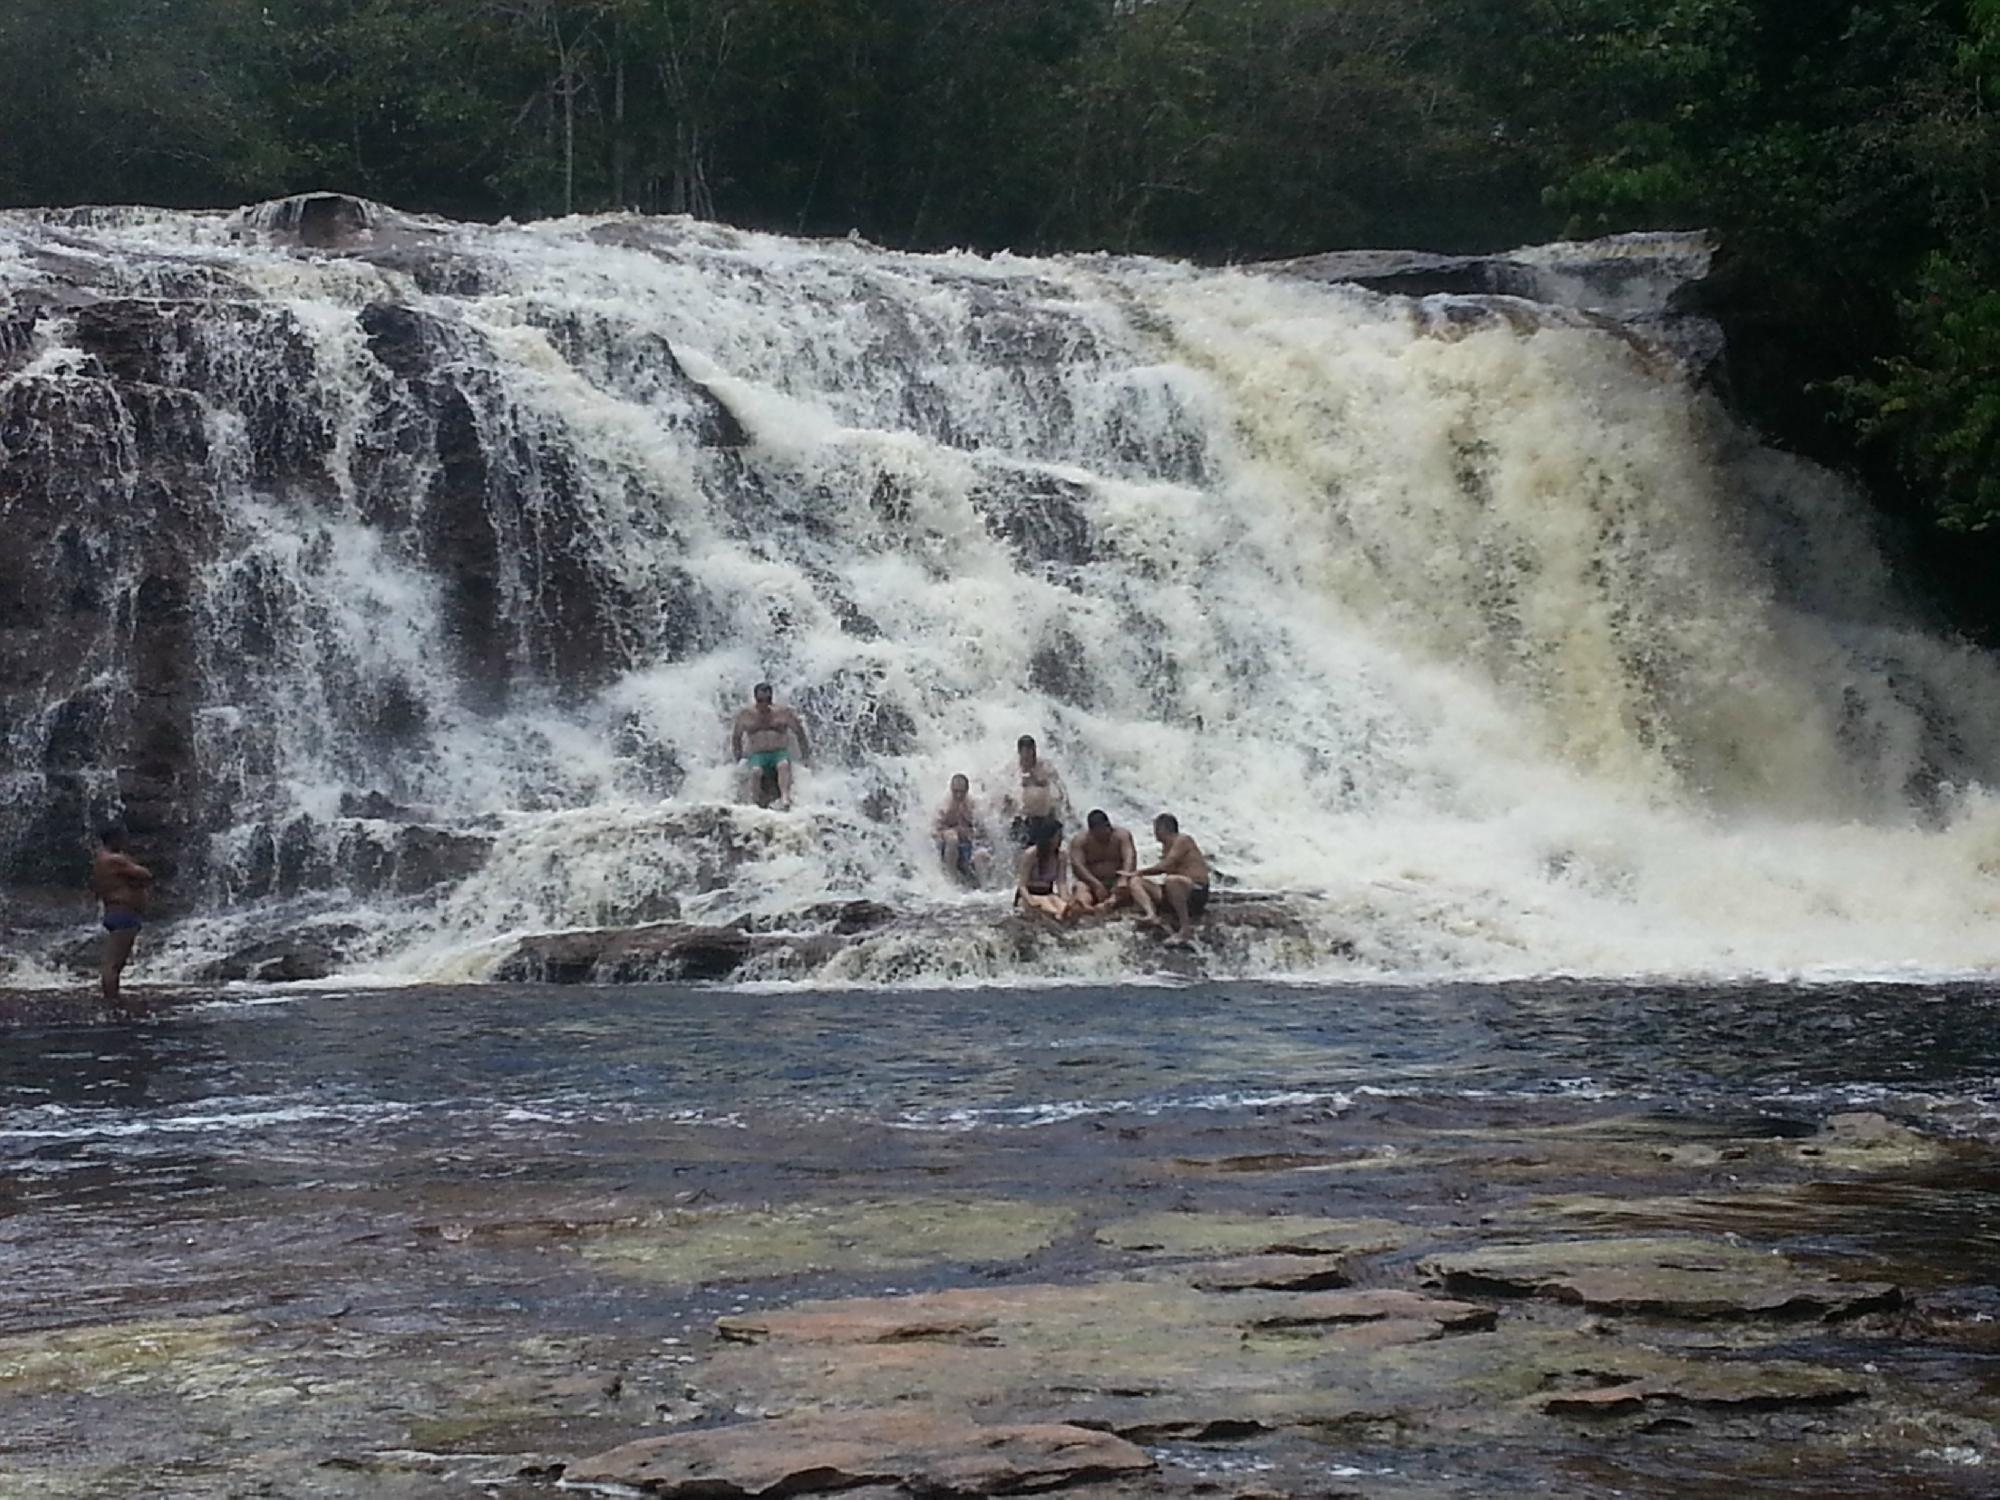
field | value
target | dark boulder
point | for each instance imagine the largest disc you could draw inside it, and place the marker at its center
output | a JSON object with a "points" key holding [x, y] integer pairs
{"points": [[1415, 273], [281, 961], [1039, 516], [318, 221], [665, 952]]}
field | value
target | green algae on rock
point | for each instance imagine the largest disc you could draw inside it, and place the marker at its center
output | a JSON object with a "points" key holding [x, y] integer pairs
{"points": [[1154, 1358], [690, 1247], [167, 1351], [1660, 1276]]}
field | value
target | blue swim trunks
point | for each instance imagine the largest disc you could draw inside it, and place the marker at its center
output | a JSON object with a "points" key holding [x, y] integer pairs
{"points": [[767, 760], [117, 919]]}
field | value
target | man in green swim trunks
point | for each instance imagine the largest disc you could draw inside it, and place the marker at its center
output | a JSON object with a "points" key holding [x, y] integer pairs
{"points": [[761, 740]]}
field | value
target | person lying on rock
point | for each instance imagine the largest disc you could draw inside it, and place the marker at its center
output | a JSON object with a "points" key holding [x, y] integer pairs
{"points": [[1183, 879], [1041, 876], [123, 886], [1035, 794], [761, 741], [1099, 858], [960, 832]]}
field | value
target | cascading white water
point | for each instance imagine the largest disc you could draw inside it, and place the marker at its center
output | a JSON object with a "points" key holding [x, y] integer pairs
{"points": [[1468, 621]]}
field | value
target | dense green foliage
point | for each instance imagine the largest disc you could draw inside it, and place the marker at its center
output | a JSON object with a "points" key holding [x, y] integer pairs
{"points": [[1847, 152]]}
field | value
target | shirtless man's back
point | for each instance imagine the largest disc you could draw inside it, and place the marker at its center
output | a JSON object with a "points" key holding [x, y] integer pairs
{"points": [[123, 886]]}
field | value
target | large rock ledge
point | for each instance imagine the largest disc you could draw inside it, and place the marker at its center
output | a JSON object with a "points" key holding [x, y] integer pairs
{"points": [[1043, 1385], [803, 943], [1663, 1276]]}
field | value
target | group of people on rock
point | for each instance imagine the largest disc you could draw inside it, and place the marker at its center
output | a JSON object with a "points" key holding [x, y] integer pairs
{"points": [[1094, 874]]}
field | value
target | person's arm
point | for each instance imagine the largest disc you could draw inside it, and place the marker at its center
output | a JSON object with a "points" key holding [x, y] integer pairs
{"points": [[130, 869], [736, 738], [1170, 862], [799, 730], [1081, 870], [1166, 864], [1128, 854]]}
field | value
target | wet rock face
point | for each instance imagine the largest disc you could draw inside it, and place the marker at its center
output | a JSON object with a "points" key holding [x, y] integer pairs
{"points": [[665, 952], [163, 420], [1041, 518], [98, 638]]}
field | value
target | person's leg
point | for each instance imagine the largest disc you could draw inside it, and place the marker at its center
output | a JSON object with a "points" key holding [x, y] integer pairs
{"points": [[966, 870], [117, 950], [1177, 888], [1145, 896], [753, 783], [785, 784]]}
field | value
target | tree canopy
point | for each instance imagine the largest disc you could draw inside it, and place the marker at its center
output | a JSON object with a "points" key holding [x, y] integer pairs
{"points": [[1848, 153]]}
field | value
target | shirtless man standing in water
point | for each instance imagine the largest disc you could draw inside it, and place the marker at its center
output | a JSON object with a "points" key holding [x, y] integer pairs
{"points": [[123, 885], [1035, 797], [1183, 872], [761, 740]]}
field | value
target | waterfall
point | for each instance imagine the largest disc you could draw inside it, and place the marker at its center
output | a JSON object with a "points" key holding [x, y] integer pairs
{"points": [[397, 579]]}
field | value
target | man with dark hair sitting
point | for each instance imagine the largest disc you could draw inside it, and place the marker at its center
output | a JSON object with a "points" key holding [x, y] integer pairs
{"points": [[1099, 857]]}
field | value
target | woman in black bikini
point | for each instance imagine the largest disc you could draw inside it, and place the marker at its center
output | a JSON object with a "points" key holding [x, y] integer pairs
{"points": [[1042, 876]]}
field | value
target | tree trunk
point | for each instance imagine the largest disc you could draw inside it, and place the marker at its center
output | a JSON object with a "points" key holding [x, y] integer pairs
{"points": [[620, 149]]}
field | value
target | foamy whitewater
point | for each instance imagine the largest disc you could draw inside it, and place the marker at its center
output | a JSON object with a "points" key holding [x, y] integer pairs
{"points": [[1467, 621]]}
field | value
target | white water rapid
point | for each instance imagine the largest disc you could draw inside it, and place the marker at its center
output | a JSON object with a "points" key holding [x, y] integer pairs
{"points": [[1466, 621]]}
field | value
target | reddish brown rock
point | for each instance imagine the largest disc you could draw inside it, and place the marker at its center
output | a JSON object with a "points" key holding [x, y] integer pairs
{"points": [[1269, 1273], [929, 1451]]}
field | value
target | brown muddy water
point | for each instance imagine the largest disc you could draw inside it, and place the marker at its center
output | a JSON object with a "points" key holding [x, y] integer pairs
{"points": [[1555, 1239]]}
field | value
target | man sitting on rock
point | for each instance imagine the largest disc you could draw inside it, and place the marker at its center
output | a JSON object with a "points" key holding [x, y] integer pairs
{"points": [[1099, 857], [960, 831], [123, 886], [1183, 873], [761, 741]]}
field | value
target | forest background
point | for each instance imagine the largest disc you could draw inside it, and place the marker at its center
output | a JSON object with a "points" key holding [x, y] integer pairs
{"points": [[1846, 154]]}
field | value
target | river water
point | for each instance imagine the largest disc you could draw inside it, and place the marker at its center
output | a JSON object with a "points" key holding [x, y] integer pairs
{"points": [[345, 1221]]}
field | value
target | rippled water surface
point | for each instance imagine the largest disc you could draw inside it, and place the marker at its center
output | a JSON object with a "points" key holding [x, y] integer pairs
{"points": [[322, 1156]]}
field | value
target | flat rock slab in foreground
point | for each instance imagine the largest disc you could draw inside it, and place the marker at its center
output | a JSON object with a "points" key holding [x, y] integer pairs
{"points": [[927, 1452], [1661, 1277], [1155, 1357]]}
